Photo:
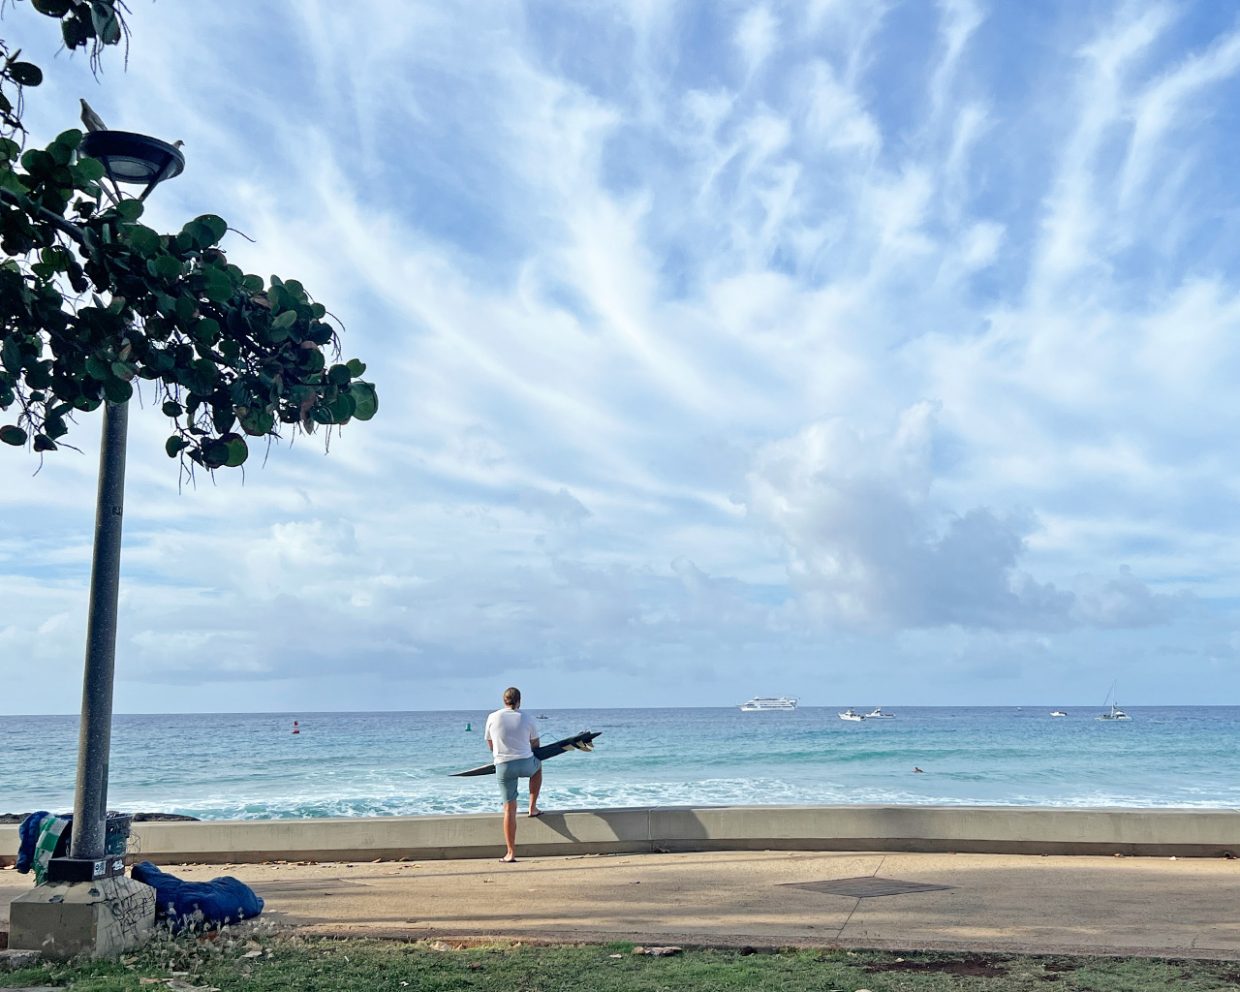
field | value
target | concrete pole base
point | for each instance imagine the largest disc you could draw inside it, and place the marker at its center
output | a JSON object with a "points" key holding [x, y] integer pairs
{"points": [[100, 919]]}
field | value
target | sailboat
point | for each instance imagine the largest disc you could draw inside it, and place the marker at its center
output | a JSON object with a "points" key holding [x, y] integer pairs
{"points": [[1115, 713]]}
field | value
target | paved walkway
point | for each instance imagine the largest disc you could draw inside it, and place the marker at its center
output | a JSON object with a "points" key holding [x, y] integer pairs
{"points": [[1084, 905]]}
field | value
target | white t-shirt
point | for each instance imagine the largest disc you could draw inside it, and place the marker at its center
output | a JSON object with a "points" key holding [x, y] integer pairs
{"points": [[510, 731]]}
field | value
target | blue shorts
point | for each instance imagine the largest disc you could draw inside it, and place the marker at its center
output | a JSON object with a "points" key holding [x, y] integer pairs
{"points": [[507, 773]]}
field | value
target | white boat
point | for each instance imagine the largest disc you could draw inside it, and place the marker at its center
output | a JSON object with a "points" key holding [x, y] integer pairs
{"points": [[762, 703], [1115, 713], [851, 714], [878, 714], [1058, 713]]}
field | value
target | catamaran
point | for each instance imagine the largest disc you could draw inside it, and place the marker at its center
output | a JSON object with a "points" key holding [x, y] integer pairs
{"points": [[762, 703]]}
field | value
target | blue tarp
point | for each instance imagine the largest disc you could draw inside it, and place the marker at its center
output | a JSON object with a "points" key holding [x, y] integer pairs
{"points": [[208, 904]]}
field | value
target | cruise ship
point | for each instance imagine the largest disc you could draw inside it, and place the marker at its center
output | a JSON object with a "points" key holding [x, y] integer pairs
{"points": [[769, 703]]}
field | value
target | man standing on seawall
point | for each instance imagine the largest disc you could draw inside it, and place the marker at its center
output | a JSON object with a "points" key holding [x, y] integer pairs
{"points": [[512, 736]]}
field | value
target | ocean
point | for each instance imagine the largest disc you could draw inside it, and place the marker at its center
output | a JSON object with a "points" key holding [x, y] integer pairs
{"points": [[251, 766]]}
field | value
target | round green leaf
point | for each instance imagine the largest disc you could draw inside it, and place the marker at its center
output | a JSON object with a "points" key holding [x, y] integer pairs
{"points": [[107, 24], [61, 154], [217, 287], [144, 241], [175, 445], [213, 227], [12, 435], [355, 367], [70, 138], [320, 333], [88, 170], [25, 73], [55, 426], [130, 209], [365, 399], [207, 330], [172, 409], [75, 31], [39, 375], [223, 418], [214, 453], [256, 422], [341, 408], [52, 8], [238, 452], [117, 390], [36, 161], [164, 267]]}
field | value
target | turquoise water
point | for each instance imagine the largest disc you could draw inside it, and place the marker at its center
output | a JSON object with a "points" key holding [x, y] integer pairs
{"points": [[236, 766]]}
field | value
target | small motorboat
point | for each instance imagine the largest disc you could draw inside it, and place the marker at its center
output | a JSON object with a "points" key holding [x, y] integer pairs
{"points": [[851, 714], [878, 714], [1058, 713]]}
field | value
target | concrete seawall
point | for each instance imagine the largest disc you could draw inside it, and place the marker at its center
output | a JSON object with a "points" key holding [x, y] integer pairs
{"points": [[973, 829]]}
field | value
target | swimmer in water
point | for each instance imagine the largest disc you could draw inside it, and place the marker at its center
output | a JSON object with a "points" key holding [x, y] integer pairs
{"points": [[916, 769]]}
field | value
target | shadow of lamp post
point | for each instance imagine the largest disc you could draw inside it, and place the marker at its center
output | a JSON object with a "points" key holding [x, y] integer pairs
{"points": [[138, 160]]}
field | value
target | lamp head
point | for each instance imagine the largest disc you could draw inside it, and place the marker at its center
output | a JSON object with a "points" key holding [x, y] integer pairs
{"points": [[134, 158]]}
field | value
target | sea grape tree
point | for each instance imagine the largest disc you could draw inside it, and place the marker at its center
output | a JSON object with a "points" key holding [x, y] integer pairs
{"points": [[94, 303]]}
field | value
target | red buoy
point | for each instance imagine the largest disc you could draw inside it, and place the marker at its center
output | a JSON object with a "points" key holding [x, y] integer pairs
{"points": [[296, 729]]}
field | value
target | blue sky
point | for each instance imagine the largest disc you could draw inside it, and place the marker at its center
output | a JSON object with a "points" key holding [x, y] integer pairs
{"points": [[869, 353]]}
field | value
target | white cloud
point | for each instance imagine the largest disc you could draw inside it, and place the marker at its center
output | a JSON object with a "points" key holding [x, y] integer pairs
{"points": [[756, 37], [869, 547], [835, 117], [820, 331], [1078, 201]]}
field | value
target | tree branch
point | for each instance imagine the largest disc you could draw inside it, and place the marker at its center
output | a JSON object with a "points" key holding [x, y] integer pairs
{"points": [[22, 203]]}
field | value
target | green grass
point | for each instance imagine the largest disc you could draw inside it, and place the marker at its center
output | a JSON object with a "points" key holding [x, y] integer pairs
{"points": [[278, 962]]}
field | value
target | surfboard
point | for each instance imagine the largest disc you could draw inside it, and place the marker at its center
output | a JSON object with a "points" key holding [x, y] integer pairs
{"points": [[583, 741]]}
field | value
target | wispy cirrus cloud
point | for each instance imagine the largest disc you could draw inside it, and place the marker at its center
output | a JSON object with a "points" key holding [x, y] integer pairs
{"points": [[704, 333]]}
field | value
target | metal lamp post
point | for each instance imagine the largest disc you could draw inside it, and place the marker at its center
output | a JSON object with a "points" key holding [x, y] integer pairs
{"points": [[135, 159]]}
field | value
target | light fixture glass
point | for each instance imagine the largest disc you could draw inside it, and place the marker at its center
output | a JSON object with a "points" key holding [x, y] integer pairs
{"points": [[133, 158]]}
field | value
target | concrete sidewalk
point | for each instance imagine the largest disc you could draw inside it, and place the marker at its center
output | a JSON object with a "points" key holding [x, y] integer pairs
{"points": [[1013, 903]]}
